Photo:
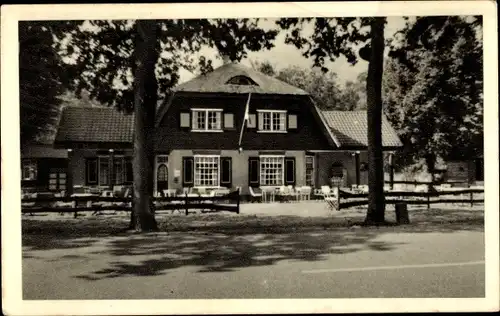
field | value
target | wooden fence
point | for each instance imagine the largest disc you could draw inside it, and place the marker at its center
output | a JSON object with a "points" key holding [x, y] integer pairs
{"points": [[229, 202], [420, 198]]}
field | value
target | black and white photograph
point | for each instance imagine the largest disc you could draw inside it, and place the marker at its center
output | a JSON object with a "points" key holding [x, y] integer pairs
{"points": [[232, 158]]}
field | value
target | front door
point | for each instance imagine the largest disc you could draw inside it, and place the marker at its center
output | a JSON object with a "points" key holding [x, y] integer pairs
{"points": [[161, 173]]}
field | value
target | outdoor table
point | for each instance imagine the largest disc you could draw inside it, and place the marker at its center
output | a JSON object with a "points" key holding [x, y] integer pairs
{"points": [[221, 192], [268, 195], [89, 203]]}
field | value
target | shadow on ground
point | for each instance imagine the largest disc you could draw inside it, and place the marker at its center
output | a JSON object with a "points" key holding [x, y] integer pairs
{"points": [[219, 243]]}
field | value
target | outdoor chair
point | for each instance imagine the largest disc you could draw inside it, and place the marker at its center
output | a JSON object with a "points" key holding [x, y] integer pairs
{"points": [[293, 194], [255, 194], [363, 188], [305, 193], [170, 192], [283, 193], [332, 199]]}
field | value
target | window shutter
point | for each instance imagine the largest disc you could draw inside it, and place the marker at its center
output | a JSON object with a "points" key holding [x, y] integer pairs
{"points": [[261, 121], [253, 171], [251, 123], [292, 121], [185, 120], [91, 170], [228, 120], [290, 170], [226, 174], [187, 171]]}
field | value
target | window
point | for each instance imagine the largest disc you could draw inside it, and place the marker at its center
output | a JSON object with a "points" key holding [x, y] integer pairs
{"points": [[57, 179], [162, 173], [207, 120], [271, 170], [29, 170], [119, 170], [103, 171], [241, 80], [206, 171], [310, 171], [98, 170], [92, 171], [272, 121]]}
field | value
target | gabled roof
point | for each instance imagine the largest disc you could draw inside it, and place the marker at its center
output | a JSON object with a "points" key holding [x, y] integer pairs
{"points": [[350, 128], [95, 124], [216, 82]]}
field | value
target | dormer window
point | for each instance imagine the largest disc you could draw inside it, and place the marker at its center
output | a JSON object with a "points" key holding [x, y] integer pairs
{"points": [[206, 120], [242, 81], [272, 121]]}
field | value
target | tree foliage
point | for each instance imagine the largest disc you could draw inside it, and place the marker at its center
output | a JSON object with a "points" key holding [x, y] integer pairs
{"points": [[433, 89], [353, 93], [40, 80], [102, 52], [324, 88]]}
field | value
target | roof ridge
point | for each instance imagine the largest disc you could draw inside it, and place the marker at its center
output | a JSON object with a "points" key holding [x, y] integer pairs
{"points": [[215, 82]]}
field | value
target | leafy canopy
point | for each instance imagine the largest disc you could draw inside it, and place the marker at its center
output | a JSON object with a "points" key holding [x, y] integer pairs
{"points": [[40, 76], [102, 52], [324, 88], [433, 88]]}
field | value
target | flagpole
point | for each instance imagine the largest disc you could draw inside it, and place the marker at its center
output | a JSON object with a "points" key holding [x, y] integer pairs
{"points": [[245, 119]]}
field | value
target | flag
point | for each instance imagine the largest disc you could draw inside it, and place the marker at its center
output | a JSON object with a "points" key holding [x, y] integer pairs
{"points": [[245, 118]]}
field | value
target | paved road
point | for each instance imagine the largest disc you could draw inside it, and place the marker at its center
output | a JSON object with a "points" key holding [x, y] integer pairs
{"points": [[328, 264]]}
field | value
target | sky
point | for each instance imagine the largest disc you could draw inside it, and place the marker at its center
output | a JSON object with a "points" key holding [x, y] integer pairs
{"points": [[284, 55]]}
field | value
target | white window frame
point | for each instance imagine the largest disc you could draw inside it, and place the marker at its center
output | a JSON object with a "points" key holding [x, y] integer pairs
{"points": [[283, 116], [29, 164], [194, 120], [197, 180], [313, 169], [262, 179]]}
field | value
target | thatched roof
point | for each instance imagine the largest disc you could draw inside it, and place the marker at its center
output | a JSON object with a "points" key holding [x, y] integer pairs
{"points": [[217, 82]]}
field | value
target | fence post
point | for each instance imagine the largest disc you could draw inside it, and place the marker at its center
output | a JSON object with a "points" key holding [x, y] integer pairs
{"points": [[186, 203], [338, 198], [75, 203], [471, 199], [238, 201], [428, 200]]}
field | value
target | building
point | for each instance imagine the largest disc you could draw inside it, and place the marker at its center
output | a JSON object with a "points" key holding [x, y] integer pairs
{"points": [[43, 168], [466, 172], [233, 127]]}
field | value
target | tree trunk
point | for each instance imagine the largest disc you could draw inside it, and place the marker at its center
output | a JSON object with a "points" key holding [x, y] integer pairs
{"points": [[376, 201], [145, 98], [430, 161]]}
